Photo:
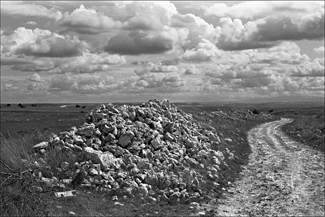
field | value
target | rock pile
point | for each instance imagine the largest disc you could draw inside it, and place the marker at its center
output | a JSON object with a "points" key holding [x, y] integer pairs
{"points": [[154, 151]]}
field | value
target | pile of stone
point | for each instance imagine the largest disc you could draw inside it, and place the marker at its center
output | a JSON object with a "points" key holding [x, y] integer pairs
{"points": [[153, 151]]}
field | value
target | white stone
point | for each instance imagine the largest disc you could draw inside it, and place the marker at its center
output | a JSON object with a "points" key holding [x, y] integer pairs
{"points": [[41, 145], [105, 159]]}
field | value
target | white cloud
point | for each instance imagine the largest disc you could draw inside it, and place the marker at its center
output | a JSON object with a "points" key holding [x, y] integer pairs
{"points": [[32, 23], [203, 52], [269, 31], [84, 84], [9, 87], [319, 50], [148, 15], [153, 68], [309, 69], [192, 70], [89, 21], [259, 9], [28, 9], [35, 77], [41, 43], [88, 63]]}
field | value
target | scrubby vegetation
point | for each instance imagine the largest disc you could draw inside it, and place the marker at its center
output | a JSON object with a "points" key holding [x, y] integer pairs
{"points": [[309, 130], [17, 196]]}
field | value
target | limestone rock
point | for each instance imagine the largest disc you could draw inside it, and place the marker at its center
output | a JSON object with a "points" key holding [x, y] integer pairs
{"points": [[105, 159], [125, 139]]}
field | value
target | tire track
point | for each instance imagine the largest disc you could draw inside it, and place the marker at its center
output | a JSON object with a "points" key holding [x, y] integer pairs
{"points": [[282, 177]]}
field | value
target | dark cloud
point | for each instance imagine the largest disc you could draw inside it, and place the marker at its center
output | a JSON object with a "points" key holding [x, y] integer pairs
{"points": [[173, 62], [285, 29], [14, 61], [243, 45], [268, 32], [136, 43]]}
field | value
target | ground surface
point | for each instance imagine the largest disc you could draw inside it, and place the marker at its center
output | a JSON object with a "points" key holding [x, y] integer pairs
{"points": [[282, 177], [271, 174]]}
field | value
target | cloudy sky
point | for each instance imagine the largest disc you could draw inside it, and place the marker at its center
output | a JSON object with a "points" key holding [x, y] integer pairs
{"points": [[73, 51]]}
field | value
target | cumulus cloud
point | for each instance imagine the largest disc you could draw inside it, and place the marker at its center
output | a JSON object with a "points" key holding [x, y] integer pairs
{"points": [[35, 66], [192, 29], [158, 78], [267, 32], [28, 9], [14, 60], [35, 77], [192, 70], [148, 15], [285, 52], [88, 21], [310, 69], [319, 50], [133, 16], [88, 63], [38, 87], [204, 51], [41, 43], [9, 87], [32, 23], [254, 10], [140, 42], [84, 83], [153, 68]]}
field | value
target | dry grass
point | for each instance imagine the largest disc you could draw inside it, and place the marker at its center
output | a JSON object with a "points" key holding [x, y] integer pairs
{"points": [[17, 197], [309, 130]]}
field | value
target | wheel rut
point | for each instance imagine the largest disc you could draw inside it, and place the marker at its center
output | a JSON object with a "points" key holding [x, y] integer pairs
{"points": [[282, 177]]}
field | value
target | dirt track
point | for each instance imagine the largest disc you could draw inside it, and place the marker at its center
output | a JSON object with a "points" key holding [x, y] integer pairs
{"points": [[282, 178]]}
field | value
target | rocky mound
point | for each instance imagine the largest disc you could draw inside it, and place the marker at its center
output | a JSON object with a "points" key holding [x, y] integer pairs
{"points": [[154, 151]]}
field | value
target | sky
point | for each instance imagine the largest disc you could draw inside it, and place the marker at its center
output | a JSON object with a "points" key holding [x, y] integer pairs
{"points": [[184, 51]]}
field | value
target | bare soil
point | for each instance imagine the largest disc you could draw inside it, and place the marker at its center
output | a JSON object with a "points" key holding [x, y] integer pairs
{"points": [[282, 178]]}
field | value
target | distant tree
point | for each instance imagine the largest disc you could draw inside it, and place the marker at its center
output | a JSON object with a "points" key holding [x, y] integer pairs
{"points": [[83, 106], [8, 105], [20, 104], [77, 106], [271, 111], [255, 111]]}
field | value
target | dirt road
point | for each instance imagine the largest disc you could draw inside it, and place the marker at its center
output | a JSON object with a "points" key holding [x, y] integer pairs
{"points": [[282, 178]]}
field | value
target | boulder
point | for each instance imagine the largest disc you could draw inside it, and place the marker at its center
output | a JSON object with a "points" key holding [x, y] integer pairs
{"points": [[105, 159], [125, 139]]}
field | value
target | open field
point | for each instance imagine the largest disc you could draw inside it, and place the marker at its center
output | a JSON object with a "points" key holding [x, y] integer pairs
{"points": [[32, 124]]}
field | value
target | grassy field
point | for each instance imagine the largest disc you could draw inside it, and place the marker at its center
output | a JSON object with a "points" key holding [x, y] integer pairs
{"points": [[21, 128]]}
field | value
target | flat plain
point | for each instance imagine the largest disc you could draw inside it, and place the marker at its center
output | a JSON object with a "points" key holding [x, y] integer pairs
{"points": [[307, 128]]}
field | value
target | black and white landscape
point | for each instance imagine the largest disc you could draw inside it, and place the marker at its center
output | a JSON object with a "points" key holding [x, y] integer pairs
{"points": [[161, 108]]}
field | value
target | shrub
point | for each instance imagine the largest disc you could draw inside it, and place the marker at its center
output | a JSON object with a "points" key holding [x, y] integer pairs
{"points": [[17, 195], [255, 111], [271, 111], [83, 106], [77, 106], [8, 105]]}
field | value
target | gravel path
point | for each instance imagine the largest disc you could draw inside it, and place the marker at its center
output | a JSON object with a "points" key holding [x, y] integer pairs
{"points": [[282, 178]]}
